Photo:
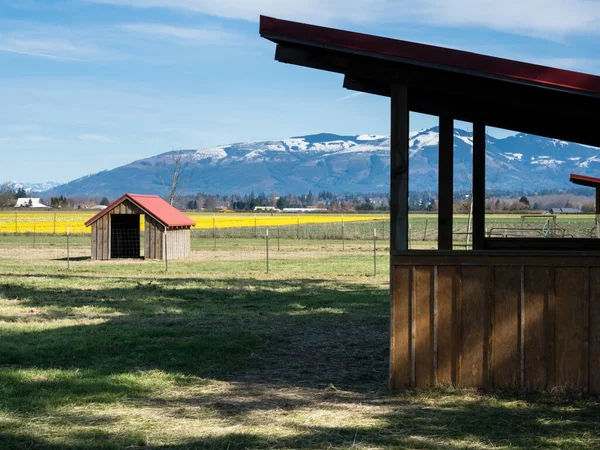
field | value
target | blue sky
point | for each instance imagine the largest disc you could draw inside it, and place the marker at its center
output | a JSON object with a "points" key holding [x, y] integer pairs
{"points": [[87, 85]]}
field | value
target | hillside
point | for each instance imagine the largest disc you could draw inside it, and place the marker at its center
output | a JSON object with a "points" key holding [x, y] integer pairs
{"points": [[345, 164]]}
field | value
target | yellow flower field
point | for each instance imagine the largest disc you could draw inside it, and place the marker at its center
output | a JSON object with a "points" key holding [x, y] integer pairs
{"points": [[48, 222]]}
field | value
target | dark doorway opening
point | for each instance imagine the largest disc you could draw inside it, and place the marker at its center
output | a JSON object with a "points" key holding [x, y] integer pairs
{"points": [[125, 236]]}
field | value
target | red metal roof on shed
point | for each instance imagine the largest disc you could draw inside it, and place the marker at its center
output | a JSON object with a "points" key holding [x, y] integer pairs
{"points": [[152, 205], [584, 180], [429, 55]]}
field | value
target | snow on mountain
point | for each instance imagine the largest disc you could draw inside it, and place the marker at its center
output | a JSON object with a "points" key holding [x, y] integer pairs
{"points": [[31, 186], [347, 164]]}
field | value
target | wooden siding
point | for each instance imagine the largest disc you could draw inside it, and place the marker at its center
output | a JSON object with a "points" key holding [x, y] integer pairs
{"points": [[495, 321], [153, 239], [178, 243], [101, 230]]}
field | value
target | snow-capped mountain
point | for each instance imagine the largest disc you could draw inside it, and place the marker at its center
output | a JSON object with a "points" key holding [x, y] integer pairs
{"points": [[345, 164], [32, 187]]}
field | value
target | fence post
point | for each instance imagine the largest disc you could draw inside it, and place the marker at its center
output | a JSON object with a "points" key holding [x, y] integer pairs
{"points": [[278, 236], [425, 232], [33, 234], [16, 223], [267, 244], [343, 242], [255, 228], [374, 251], [55, 223], [68, 251], [165, 246], [298, 228], [214, 235]]}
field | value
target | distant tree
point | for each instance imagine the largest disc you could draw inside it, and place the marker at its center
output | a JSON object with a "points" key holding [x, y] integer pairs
{"points": [[20, 193], [210, 202], [192, 204], [367, 205], [281, 203], [588, 208], [175, 173], [105, 201], [30, 203], [6, 196]]}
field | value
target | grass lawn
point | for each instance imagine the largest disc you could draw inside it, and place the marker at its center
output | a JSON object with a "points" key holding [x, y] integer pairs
{"points": [[216, 354]]}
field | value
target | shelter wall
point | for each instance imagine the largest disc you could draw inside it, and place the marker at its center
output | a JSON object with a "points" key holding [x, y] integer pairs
{"points": [[178, 243], [495, 321], [101, 239], [153, 239], [101, 230]]}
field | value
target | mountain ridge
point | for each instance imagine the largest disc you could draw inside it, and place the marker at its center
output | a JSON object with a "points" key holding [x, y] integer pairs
{"points": [[344, 163]]}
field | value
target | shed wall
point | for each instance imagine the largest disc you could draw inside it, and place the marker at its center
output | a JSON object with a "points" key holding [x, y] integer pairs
{"points": [[496, 322], [101, 230], [178, 243], [153, 239]]}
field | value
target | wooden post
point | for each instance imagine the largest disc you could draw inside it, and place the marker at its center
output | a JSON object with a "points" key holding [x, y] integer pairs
{"points": [[445, 183], [267, 245], [597, 214], [374, 252], [478, 185], [399, 168]]}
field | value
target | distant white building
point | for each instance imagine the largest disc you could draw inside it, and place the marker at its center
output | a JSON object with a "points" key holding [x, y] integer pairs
{"points": [[266, 208], [99, 207], [30, 202], [309, 209]]}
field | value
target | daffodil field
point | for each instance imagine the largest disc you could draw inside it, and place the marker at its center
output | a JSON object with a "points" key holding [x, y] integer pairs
{"points": [[74, 222]]}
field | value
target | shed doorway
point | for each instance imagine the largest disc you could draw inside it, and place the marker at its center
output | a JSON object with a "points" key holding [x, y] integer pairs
{"points": [[125, 236]]}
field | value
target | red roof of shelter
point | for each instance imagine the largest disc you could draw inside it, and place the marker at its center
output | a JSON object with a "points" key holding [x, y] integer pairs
{"points": [[584, 180], [428, 55], [152, 205]]}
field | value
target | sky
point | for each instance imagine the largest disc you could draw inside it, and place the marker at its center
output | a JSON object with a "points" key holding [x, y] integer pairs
{"points": [[89, 85]]}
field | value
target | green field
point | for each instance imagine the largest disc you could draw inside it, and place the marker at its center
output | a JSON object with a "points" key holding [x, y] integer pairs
{"points": [[217, 354]]}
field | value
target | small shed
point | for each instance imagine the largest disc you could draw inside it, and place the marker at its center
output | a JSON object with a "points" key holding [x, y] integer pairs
{"points": [[116, 230]]}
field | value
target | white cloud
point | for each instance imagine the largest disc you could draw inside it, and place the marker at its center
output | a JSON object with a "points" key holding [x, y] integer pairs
{"points": [[97, 138], [349, 96], [206, 35], [50, 42], [548, 19]]}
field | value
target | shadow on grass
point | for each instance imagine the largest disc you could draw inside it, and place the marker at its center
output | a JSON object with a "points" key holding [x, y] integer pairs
{"points": [[301, 332], [279, 344]]}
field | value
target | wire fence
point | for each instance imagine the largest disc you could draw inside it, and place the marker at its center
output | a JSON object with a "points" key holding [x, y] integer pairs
{"points": [[37, 243]]}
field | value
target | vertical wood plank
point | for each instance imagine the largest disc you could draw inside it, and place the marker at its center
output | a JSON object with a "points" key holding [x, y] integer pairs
{"points": [[94, 241], [445, 182], [423, 286], [473, 298], [478, 185], [399, 168], [569, 297], [594, 361], [400, 352], [457, 329], [445, 322], [537, 287], [506, 362]]}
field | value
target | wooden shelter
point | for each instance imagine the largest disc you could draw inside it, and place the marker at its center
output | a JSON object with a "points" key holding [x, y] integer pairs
{"points": [[116, 230], [511, 313], [592, 182]]}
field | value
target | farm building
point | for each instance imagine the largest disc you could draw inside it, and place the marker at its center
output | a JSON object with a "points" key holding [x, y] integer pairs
{"points": [[116, 230], [28, 202], [510, 312], [565, 211]]}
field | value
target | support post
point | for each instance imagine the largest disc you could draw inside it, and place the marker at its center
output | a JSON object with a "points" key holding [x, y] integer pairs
{"points": [[399, 169], [445, 183], [478, 185], [597, 214]]}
